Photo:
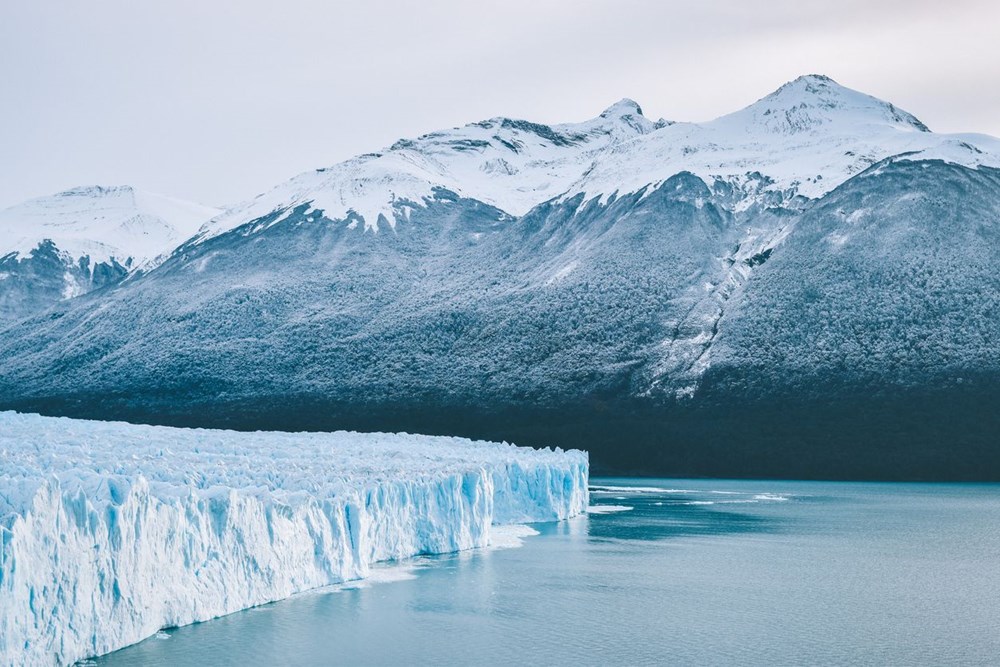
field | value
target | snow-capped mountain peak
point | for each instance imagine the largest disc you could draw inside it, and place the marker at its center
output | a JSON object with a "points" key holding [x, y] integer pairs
{"points": [[508, 163], [625, 110], [625, 117], [67, 244], [621, 108], [814, 103], [805, 138], [106, 224]]}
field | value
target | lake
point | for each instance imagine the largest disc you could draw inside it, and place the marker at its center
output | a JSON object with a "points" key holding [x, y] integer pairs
{"points": [[692, 572]]}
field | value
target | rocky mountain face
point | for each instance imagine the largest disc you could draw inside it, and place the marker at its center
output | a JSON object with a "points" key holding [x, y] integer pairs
{"points": [[804, 288]]}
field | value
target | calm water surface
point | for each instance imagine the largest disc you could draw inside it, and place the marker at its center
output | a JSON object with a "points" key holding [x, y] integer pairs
{"points": [[696, 572]]}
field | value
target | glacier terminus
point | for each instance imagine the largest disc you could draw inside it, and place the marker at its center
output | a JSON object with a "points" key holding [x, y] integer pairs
{"points": [[110, 532]]}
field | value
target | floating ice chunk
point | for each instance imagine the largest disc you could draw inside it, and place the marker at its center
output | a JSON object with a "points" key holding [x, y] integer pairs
{"points": [[770, 496], [510, 537], [601, 488], [607, 509]]}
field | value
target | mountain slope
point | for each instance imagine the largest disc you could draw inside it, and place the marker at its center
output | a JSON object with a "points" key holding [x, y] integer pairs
{"points": [[802, 288], [67, 244]]}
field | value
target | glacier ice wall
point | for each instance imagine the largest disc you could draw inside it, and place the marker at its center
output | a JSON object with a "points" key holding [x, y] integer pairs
{"points": [[110, 531]]}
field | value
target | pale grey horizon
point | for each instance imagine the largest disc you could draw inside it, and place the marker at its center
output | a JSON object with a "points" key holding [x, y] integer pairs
{"points": [[216, 102]]}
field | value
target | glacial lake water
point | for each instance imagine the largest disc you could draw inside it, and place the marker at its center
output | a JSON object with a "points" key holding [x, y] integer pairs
{"points": [[697, 572]]}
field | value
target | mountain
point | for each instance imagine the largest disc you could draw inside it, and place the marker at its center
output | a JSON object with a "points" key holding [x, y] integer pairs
{"points": [[806, 138], [512, 165], [67, 244], [803, 288]]}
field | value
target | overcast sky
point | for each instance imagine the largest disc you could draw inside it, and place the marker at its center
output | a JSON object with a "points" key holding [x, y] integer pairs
{"points": [[216, 101]]}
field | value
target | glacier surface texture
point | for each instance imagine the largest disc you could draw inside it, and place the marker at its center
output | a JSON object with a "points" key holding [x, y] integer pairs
{"points": [[111, 531]]}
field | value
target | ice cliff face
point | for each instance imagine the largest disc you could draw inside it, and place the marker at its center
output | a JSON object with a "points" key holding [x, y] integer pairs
{"points": [[67, 244], [109, 531]]}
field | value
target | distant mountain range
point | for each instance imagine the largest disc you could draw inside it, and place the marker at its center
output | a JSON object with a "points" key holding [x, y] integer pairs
{"points": [[804, 288], [57, 247]]}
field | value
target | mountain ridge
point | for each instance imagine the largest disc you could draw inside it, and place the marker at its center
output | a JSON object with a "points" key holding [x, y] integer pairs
{"points": [[621, 151]]}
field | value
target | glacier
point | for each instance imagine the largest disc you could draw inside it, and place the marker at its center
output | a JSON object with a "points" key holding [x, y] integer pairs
{"points": [[111, 531]]}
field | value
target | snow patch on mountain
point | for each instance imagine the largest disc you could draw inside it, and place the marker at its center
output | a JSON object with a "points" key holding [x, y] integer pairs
{"points": [[110, 532]]}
